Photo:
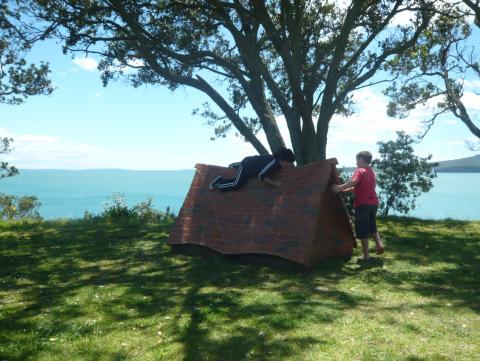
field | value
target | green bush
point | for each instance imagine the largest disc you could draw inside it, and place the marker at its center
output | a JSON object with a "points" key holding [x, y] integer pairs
{"points": [[146, 212], [13, 207], [402, 175], [115, 209], [344, 177]]}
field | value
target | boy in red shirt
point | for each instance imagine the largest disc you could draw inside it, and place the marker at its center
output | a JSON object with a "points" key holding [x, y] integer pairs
{"points": [[365, 202]]}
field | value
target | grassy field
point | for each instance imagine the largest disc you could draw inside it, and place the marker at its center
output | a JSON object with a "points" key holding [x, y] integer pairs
{"points": [[81, 290]]}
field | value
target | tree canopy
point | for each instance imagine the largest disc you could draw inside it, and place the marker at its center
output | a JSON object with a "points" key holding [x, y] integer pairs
{"points": [[6, 170], [255, 60], [18, 80], [437, 67], [402, 176]]}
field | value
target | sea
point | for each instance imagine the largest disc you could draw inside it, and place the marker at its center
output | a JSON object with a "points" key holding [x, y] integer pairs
{"points": [[69, 193]]}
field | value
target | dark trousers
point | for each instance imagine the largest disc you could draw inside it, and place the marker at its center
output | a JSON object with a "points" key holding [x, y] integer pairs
{"points": [[232, 184], [365, 221]]}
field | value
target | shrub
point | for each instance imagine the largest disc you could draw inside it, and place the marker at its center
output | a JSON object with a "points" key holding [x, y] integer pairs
{"points": [[116, 209], [347, 196], [402, 175], [13, 207], [146, 212]]}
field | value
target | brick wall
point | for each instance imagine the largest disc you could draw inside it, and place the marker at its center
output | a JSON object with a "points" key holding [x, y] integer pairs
{"points": [[302, 221]]}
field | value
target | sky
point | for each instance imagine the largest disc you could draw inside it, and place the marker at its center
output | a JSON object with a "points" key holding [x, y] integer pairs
{"points": [[84, 125]]}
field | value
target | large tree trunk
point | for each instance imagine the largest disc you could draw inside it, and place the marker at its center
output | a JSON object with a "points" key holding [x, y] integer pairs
{"points": [[256, 93], [293, 123], [322, 133]]}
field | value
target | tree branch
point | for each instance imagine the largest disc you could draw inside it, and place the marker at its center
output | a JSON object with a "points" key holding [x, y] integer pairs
{"points": [[198, 83]]}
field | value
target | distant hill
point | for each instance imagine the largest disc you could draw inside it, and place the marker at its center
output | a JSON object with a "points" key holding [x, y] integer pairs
{"points": [[463, 165]]}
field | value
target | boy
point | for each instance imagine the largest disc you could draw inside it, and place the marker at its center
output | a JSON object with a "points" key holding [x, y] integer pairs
{"points": [[260, 166], [365, 202]]}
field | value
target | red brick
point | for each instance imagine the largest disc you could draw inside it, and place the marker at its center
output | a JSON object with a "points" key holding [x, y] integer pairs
{"points": [[302, 221]]}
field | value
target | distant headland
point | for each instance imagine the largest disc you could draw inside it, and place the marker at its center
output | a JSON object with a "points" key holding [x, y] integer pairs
{"points": [[462, 165]]}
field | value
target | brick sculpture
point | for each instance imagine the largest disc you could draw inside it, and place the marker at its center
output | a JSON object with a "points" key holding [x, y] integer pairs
{"points": [[302, 221]]}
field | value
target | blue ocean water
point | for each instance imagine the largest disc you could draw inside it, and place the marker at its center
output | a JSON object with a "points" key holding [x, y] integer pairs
{"points": [[68, 194], [454, 195]]}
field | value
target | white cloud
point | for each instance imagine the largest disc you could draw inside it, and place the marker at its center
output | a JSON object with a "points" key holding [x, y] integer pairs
{"points": [[127, 69], [471, 84], [371, 123], [97, 94], [403, 18], [346, 137], [38, 151], [88, 63], [450, 121], [471, 101], [43, 151], [455, 142]]}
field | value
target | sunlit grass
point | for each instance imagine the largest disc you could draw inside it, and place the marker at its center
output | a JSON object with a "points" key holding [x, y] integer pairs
{"points": [[84, 290]]}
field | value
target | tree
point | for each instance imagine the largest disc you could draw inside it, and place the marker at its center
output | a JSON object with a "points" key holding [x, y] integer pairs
{"points": [[437, 66], [17, 79], [402, 176], [255, 60], [14, 207], [348, 197], [475, 7], [6, 170]]}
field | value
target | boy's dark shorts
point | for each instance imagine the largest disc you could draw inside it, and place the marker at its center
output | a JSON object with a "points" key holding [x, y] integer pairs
{"points": [[365, 222]]}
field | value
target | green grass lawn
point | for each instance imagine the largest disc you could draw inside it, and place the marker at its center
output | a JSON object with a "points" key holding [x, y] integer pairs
{"points": [[81, 290]]}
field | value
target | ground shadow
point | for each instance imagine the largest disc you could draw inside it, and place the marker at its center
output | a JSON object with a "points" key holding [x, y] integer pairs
{"points": [[46, 264]]}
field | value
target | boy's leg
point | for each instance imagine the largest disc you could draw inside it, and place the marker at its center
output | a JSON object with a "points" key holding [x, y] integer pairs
{"points": [[373, 229], [378, 243], [226, 185], [362, 228], [366, 252], [214, 182]]}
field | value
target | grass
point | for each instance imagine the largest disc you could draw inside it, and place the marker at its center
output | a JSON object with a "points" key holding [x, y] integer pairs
{"points": [[80, 290]]}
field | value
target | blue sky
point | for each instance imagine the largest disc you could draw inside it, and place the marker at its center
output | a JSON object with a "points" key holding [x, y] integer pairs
{"points": [[83, 125]]}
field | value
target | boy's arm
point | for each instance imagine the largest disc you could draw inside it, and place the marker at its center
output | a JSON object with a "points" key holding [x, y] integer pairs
{"points": [[345, 187], [264, 174], [271, 182]]}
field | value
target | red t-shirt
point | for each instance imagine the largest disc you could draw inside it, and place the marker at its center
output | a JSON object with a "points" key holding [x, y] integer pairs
{"points": [[365, 189]]}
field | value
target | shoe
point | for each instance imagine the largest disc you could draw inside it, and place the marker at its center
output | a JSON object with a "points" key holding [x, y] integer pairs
{"points": [[212, 184], [380, 250]]}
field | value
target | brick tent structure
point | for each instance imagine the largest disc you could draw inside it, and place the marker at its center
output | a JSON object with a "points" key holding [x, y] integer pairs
{"points": [[302, 221]]}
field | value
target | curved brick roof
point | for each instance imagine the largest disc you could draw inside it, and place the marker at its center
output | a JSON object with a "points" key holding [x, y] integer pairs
{"points": [[302, 221]]}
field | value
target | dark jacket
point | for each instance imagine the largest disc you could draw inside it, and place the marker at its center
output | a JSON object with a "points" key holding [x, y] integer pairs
{"points": [[260, 166]]}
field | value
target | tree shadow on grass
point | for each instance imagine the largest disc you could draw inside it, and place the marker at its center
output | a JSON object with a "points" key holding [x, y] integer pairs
{"points": [[440, 258], [216, 309], [224, 326]]}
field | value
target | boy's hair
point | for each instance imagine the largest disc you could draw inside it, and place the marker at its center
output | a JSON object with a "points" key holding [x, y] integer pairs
{"points": [[285, 155], [365, 155]]}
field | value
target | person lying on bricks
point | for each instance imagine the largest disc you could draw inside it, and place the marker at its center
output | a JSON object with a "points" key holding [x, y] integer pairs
{"points": [[260, 166]]}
